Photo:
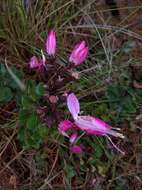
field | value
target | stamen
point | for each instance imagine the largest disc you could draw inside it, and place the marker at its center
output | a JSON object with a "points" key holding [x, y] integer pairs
{"points": [[115, 145], [116, 134], [118, 129]]}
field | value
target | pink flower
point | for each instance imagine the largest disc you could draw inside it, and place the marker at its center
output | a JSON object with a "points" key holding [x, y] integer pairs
{"points": [[51, 43], [76, 149], [34, 63], [65, 126], [79, 53], [89, 124]]}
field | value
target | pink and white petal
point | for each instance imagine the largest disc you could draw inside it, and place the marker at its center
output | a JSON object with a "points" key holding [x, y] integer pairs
{"points": [[51, 43], [83, 54], [107, 128], [74, 57], [91, 125], [95, 126], [73, 105], [79, 47]]}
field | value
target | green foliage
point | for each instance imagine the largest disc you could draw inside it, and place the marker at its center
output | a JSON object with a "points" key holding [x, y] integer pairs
{"points": [[35, 91], [124, 101], [9, 89], [119, 103], [32, 131], [120, 185], [5, 95], [70, 171]]}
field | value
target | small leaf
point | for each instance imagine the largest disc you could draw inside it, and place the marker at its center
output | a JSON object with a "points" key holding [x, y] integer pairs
{"points": [[5, 94], [32, 122], [2, 69], [23, 115], [39, 90], [15, 78], [27, 103], [70, 171], [43, 131]]}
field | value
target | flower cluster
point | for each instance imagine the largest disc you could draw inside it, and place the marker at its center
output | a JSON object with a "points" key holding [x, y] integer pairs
{"points": [[90, 125], [77, 56], [87, 124]]}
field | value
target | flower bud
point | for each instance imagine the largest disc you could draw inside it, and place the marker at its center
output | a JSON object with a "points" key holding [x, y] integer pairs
{"points": [[79, 53], [51, 43], [34, 63], [76, 149]]}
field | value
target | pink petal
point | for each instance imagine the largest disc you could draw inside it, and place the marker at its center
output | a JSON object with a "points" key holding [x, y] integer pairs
{"points": [[82, 55], [76, 149], [51, 43], [65, 126], [78, 47], [95, 126], [34, 63], [79, 53], [92, 125], [73, 138], [73, 105]]}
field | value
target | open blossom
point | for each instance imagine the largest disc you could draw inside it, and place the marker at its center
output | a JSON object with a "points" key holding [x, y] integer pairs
{"points": [[79, 53], [89, 124], [51, 43]]}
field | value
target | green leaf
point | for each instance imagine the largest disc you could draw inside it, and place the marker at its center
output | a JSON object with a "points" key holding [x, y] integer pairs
{"points": [[31, 89], [15, 78], [129, 105], [2, 69], [23, 115], [5, 94], [21, 134], [32, 122], [98, 152], [27, 103], [43, 131], [70, 171], [119, 185], [114, 92], [39, 90]]}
